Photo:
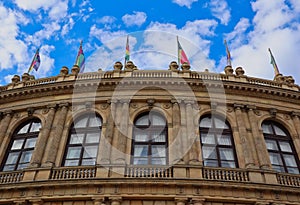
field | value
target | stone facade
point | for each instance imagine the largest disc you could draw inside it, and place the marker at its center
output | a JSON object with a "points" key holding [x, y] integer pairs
{"points": [[119, 97]]}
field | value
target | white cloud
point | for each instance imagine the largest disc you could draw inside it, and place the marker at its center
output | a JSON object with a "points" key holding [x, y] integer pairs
{"points": [[135, 19], [220, 10], [49, 31], [59, 10], [35, 5], [107, 20], [67, 27], [275, 25], [186, 3]]}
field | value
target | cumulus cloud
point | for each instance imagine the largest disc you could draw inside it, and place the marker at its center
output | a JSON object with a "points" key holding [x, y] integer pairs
{"points": [[274, 25], [135, 19], [35, 5], [107, 20], [186, 3], [220, 10]]}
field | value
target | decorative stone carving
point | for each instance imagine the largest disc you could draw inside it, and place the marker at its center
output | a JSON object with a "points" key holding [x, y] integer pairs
{"points": [[118, 66], [185, 66], [173, 66], [15, 79], [104, 106], [30, 111], [75, 70], [134, 105], [25, 77], [64, 71], [239, 71], [88, 105], [228, 70], [150, 102], [273, 112], [229, 109], [130, 66], [167, 105]]}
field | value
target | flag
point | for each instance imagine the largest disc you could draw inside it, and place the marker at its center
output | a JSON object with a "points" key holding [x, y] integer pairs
{"points": [[273, 62], [36, 61], [127, 52], [227, 54], [182, 58], [80, 60]]}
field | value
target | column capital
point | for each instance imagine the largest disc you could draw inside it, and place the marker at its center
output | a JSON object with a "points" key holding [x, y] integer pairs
{"points": [[198, 200], [295, 114], [237, 106], [262, 203], [180, 199], [124, 101], [61, 105], [8, 112], [250, 107], [51, 106]]}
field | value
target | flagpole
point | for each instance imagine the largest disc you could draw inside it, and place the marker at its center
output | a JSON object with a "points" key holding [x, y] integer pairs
{"points": [[127, 47], [33, 60], [178, 58], [227, 53], [273, 62]]}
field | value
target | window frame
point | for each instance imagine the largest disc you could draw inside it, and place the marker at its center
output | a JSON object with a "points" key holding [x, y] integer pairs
{"points": [[280, 138], [83, 131], [25, 137], [149, 130], [215, 131]]}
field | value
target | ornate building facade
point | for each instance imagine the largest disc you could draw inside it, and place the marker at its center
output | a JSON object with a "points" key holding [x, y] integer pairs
{"points": [[150, 137]]}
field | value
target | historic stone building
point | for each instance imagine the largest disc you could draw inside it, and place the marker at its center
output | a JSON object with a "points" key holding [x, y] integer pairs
{"points": [[150, 137]]}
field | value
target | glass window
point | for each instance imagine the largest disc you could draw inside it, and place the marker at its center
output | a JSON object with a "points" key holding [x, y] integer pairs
{"points": [[281, 149], [83, 142], [149, 144], [217, 143], [21, 146]]}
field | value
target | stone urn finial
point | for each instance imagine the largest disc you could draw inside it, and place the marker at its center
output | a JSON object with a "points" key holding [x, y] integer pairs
{"points": [[15, 79], [130, 66], [228, 70], [173, 66], [185, 66], [64, 71], [118, 66], [239, 71], [25, 77], [75, 70]]}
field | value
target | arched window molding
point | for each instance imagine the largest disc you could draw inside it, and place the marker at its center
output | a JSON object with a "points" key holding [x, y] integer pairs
{"points": [[83, 141], [217, 143], [150, 140], [280, 147], [21, 146]]}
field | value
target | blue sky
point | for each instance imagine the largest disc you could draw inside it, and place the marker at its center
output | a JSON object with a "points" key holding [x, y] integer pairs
{"points": [[57, 27]]}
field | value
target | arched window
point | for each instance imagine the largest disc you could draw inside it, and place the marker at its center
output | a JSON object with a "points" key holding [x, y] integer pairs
{"points": [[150, 140], [217, 143], [83, 142], [280, 147], [21, 146]]}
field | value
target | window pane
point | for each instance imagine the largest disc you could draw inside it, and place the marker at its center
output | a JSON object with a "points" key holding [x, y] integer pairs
{"points": [[12, 158], [35, 127], [90, 152], [226, 154], [275, 158], [220, 123], [158, 151], [207, 138], [211, 163], [92, 138], [159, 136], [30, 143], [8, 167], [26, 156], [95, 122], [72, 162], [278, 168], [289, 160], [76, 139], [141, 150], [88, 162], [206, 122], [158, 120], [140, 136], [143, 120], [17, 144], [293, 170], [209, 152], [285, 147], [271, 145], [159, 161], [229, 164], [73, 152], [22, 166], [267, 129], [140, 161], [279, 131], [81, 123], [24, 129], [224, 139]]}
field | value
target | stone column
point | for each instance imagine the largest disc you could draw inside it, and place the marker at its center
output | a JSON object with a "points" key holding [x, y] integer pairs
{"points": [[198, 201], [55, 134], [175, 142], [296, 140], [249, 161], [119, 151], [115, 200], [4, 124], [192, 138], [36, 202], [183, 133], [180, 200], [258, 137], [99, 201], [43, 138]]}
